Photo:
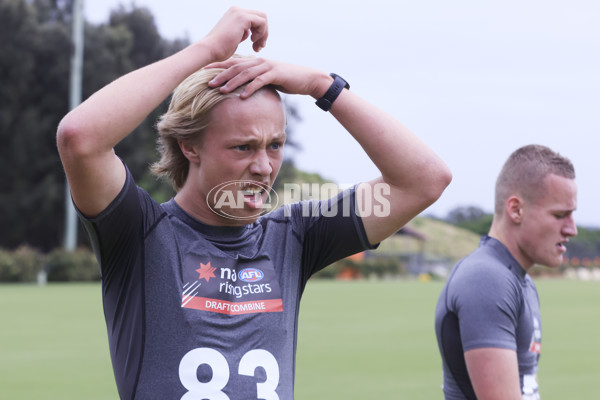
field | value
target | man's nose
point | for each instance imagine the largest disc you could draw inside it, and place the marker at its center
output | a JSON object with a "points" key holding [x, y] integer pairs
{"points": [[570, 228], [261, 164]]}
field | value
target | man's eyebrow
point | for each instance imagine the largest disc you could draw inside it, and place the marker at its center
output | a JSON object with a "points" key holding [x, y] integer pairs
{"points": [[251, 139]]}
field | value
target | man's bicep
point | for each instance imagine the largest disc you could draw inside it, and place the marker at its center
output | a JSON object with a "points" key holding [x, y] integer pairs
{"points": [[487, 309], [95, 182], [385, 209], [494, 373]]}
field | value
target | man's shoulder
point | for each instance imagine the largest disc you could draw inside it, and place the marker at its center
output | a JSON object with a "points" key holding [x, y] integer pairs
{"points": [[483, 260], [483, 270]]}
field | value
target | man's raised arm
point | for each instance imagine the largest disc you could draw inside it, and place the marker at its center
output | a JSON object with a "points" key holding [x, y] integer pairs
{"points": [[87, 135]]}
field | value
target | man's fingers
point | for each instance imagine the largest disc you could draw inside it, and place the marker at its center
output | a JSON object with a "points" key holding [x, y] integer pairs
{"points": [[235, 27], [245, 35], [238, 72], [259, 37], [253, 75], [259, 30], [232, 67]]}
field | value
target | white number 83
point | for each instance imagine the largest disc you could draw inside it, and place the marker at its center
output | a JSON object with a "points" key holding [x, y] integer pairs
{"points": [[213, 389]]}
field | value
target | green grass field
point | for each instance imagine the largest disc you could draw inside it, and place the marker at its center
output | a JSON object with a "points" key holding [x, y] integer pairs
{"points": [[357, 340]]}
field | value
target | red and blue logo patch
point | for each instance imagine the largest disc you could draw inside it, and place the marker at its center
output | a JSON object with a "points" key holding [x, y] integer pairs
{"points": [[251, 275]]}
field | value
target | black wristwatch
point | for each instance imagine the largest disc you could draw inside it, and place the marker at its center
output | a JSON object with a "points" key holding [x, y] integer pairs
{"points": [[333, 92]]}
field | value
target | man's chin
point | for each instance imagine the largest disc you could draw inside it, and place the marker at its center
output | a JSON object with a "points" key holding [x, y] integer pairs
{"points": [[555, 263], [243, 216]]}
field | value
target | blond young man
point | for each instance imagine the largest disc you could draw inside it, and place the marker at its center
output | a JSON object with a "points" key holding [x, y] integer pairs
{"points": [[201, 293]]}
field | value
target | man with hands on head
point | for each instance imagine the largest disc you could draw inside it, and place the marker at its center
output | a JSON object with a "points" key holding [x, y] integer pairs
{"points": [[200, 296], [487, 320]]}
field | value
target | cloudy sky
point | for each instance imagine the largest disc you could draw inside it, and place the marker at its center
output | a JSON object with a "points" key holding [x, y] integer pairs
{"points": [[474, 79]]}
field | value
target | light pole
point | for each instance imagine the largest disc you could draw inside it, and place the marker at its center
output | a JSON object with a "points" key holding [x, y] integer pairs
{"points": [[70, 240]]}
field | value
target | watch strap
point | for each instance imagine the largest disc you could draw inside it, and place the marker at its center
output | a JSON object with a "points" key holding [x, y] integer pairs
{"points": [[333, 92]]}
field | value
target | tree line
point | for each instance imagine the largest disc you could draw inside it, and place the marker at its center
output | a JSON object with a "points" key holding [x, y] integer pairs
{"points": [[34, 96], [584, 246]]}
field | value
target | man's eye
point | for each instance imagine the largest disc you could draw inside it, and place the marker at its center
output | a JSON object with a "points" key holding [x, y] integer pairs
{"points": [[242, 147]]}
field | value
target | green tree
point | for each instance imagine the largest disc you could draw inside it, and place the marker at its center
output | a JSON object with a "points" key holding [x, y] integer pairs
{"points": [[34, 76], [471, 218], [585, 244], [34, 96]]}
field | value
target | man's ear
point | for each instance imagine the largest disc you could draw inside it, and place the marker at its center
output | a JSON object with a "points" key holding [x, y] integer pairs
{"points": [[190, 152], [514, 209]]}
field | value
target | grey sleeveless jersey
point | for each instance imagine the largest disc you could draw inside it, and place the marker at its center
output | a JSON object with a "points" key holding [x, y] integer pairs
{"points": [[202, 312]]}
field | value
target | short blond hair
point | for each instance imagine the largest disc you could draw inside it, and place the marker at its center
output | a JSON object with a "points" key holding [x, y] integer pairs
{"points": [[524, 172]]}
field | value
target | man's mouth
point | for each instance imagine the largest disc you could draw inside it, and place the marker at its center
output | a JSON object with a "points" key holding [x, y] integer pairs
{"points": [[562, 246], [242, 199], [254, 196], [253, 190]]}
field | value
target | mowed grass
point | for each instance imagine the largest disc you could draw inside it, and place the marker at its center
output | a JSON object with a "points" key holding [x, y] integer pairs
{"points": [[53, 343], [376, 340], [357, 340], [368, 340]]}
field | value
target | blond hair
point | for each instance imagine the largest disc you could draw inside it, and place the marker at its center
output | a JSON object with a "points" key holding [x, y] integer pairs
{"points": [[524, 172], [186, 118], [188, 115]]}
